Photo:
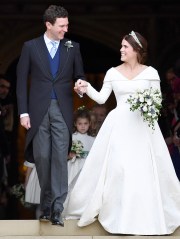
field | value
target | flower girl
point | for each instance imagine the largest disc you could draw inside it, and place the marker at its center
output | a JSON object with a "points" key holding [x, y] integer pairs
{"points": [[81, 144]]}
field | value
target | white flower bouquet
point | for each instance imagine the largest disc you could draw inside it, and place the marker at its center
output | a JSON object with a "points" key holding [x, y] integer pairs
{"points": [[148, 102], [77, 148]]}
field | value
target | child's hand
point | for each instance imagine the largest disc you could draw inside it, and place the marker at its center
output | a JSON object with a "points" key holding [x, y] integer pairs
{"points": [[71, 155]]}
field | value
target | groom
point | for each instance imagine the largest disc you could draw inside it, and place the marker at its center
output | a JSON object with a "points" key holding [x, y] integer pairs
{"points": [[52, 63]]}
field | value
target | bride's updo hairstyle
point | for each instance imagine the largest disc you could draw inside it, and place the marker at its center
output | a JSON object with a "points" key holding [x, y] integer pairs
{"points": [[139, 44]]}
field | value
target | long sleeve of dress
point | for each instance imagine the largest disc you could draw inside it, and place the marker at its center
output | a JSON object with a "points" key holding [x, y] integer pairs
{"points": [[102, 96]]}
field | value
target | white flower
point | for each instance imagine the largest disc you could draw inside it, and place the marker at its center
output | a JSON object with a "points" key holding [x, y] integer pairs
{"points": [[145, 109], [149, 102], [141, 99], [68, 44]]}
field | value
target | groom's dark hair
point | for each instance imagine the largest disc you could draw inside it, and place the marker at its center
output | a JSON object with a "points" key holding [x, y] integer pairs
{"points": [[53, 12]]}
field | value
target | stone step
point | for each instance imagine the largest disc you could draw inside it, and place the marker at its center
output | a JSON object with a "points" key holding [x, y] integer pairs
{"points": [[89, 237], [22, 229]]}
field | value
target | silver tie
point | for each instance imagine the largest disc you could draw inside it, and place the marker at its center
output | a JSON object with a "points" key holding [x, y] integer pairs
{"points": [[53, 49]]}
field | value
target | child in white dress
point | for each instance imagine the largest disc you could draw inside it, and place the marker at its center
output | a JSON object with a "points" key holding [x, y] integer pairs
{"points": [[81, 144]]}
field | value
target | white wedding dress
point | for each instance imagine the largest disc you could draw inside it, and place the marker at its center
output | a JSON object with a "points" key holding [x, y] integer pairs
{"points": [[128, 181]]}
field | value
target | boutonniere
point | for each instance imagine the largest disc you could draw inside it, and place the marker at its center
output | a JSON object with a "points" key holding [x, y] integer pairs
{"points": [[68, 44]]}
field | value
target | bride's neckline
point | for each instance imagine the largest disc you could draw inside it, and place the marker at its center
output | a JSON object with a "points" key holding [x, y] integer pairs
{"points": [[132, 77]]}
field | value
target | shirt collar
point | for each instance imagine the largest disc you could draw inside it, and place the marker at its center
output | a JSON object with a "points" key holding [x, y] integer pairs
{"points": [[48, 41]]}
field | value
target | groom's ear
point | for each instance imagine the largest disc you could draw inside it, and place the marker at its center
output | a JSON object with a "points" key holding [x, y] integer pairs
{"points": [[48, 25]]}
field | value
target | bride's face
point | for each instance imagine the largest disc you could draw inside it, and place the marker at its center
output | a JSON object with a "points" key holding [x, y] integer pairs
{"points": [[127, 52]]}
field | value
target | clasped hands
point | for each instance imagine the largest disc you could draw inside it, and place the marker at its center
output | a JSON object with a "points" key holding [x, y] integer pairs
{"points": [[80, 87]]}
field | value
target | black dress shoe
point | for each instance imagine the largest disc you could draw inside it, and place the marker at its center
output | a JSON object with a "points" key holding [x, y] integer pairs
{"points": [[56, 219], [44, 218]]}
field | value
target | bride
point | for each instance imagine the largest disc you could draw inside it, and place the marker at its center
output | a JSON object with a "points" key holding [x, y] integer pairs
{"points": [[128, 182]]}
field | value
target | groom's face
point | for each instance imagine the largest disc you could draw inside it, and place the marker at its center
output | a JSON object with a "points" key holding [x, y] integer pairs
{"points": [[58, 29]]}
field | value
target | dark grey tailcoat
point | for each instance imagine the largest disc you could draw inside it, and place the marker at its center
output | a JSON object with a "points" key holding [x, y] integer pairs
{"points": [[33, 72]]}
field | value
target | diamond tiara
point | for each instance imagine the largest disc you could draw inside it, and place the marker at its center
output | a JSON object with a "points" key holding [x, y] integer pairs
{"points": [[133, 34]]}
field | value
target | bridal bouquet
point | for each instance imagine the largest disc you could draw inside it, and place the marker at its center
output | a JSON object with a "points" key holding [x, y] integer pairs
{"points": [[148, 102], [77, 148]]}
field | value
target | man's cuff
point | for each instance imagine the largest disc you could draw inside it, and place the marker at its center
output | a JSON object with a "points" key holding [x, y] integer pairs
{"points": [[23, 115]]}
